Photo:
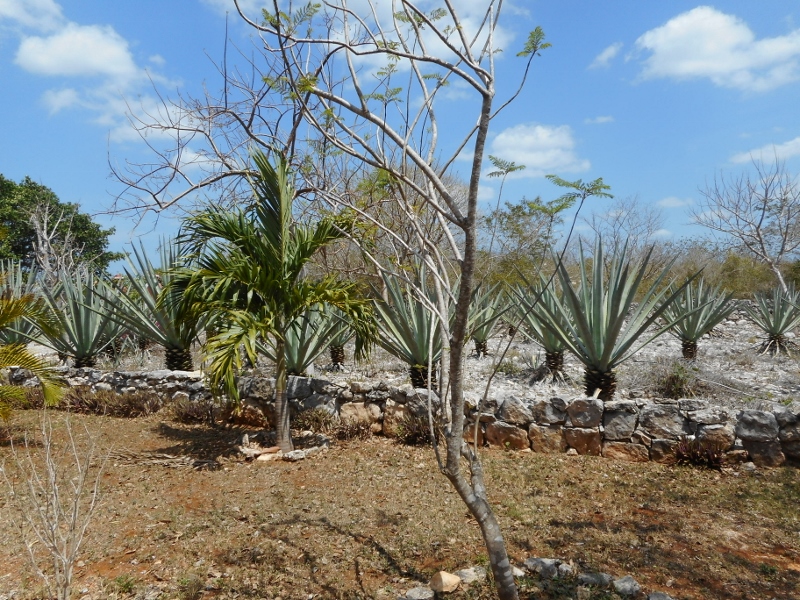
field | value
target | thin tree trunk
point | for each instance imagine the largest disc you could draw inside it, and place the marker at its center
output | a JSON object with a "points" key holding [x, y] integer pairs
{"points": [[473, 493], [282, 428]]}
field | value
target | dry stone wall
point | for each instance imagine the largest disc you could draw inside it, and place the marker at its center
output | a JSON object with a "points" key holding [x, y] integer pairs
{"points": [[628, 429]]}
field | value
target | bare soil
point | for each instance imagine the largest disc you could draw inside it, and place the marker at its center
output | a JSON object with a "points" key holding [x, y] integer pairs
{"points": [[369, 519]]}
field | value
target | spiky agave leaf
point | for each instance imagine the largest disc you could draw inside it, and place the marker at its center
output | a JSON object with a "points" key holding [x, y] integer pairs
{"points": [[406, 326], [601, 322], [307, 338], [776, 314], [151, 314], [696, 312], [18, 355], [486, 308]]}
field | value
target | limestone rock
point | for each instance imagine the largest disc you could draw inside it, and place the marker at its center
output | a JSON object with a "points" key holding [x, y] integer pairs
{"points": [[584, 441], [550, 412], [790, 433], [585, 412], [784, 416], [659, 596], [663, 421], [298, 387], [713, 415], [360, 412], [549, 440], [626, 451], [471, 575], [420, 593], [444, 582], [601, 580], [546, 568], [515, 411], [627, 586], [765, 454], [294, 455], [663, 451], [791, 449], [619, 425], [417, 402], [756, 426], [470, 434], [393, 417], [506, 435], [721, 435]]}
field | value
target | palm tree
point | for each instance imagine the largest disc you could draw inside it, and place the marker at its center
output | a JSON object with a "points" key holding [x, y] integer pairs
{"points": [[695, 313], [247, 278], [32, 310], [600, 322], [151, 315]]}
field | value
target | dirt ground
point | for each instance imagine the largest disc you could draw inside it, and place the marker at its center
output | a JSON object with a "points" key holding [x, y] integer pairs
{"points": [[368, 519]]}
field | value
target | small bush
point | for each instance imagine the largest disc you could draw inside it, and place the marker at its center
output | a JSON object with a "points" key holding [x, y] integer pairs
{"points": [[191, 588], [317, 420], [699, 453], [109, 403], [190, 412], [353, 430], [416, 431]]}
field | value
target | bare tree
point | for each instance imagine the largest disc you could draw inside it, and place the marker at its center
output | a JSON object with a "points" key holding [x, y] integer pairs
{"points": [[55, 501], [55, 253], [758, 213], [345, 89]]}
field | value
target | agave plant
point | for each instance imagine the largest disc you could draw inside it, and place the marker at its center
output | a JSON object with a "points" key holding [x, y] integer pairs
{"points": [[16, 283], [152, 315], [533, 326], [486, 308], [695, 313], [82, 308], [407, 329], [600, 321], [776, 315], [307, 338]]}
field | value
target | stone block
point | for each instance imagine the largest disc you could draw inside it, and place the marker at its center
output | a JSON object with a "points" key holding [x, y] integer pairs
{"points": [[791, 449], [765, 454], [298, 388], [619, 425], [757, 426], [790, 433], [663, 451], [547, 439], [721, 435], [470, 436], [626, 451], [713, 415], [550, 412], [585, 441], [393, 416], [663, 421], [585, 412], [514, 410], [505, 435]]}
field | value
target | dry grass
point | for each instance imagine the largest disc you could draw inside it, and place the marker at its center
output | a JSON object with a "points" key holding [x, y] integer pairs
{"points": [[369, 518]]}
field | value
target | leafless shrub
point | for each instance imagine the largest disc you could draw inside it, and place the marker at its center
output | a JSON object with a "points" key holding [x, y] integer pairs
{"points": [[55, 493]]}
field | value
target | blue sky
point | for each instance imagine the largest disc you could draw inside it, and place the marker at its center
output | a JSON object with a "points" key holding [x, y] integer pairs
{"points": [[655, 97]]}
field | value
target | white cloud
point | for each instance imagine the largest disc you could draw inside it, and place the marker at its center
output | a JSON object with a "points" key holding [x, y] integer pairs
{"points": [[662, 233], [770, 151], [603, 60], [42, 15], [543, 149], [706, 43], [486, 192], [78, 50], [599, 120], [674, 202], [56, 100]]}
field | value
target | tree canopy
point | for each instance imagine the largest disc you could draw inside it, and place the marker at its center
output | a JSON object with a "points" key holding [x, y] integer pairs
{"points": [[21, 203]]}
